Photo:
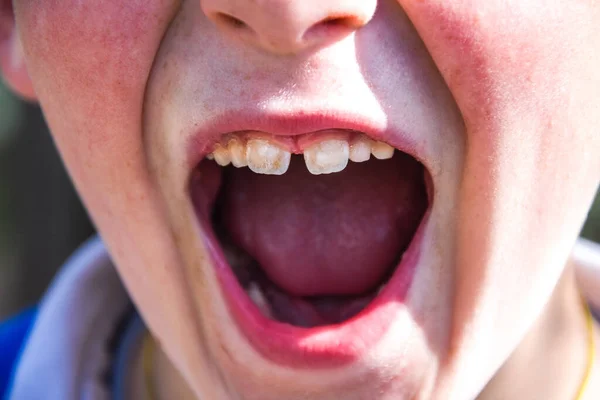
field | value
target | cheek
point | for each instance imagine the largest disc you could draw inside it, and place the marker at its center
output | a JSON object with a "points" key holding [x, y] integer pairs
{"points": [[97, 53], [527, 81], [89, 62], [509, 60]]}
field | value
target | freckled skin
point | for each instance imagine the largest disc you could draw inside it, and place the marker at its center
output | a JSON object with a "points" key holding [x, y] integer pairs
{"points": [[502, 97]]}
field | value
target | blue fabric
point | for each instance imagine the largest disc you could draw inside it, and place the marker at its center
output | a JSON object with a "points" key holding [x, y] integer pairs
{"points": [[13, 333], [130, 341]]}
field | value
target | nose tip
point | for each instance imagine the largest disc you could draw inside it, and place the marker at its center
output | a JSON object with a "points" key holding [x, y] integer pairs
{"points": [[289, 26]]}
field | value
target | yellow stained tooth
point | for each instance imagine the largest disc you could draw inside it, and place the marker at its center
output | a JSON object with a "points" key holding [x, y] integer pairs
{"points": [[360, 150], [221, 155], [237, 152], [265, 158], [382, 151], [327, 157]]}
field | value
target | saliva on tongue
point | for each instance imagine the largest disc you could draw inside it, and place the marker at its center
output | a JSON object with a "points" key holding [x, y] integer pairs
{"points": [[324, 243]]}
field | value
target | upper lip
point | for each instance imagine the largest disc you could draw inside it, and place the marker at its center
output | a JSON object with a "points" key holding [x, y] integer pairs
{"points": [[293, 123]]}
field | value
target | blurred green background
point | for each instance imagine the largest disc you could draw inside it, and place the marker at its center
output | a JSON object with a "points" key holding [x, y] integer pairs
{"points": [[41, 219]]}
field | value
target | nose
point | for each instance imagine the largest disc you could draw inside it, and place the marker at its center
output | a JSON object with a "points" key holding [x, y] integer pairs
{"points": [[289, 26]]}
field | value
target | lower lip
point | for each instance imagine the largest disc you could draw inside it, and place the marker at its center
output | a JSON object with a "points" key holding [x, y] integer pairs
{"points": [[321, 347]]}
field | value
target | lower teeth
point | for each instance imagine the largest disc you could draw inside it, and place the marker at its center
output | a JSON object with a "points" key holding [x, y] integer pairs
{"points": [[258, 298]]}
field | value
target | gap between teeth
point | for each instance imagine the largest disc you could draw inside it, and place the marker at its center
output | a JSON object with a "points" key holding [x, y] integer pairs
{"points": [[325, 157]]}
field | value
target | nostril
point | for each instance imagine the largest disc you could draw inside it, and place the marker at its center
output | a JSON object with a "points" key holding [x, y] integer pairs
{"points": [[288, 27], [342, 22], [229, 21], [333, 27]]}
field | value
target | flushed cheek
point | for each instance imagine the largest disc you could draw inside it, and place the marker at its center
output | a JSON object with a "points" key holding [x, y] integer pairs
{"points": [[89, 62], [93, 59], [526, 80], [514, 63]]}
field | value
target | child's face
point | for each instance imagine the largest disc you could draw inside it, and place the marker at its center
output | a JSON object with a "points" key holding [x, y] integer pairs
{"points": [[497, 99]]}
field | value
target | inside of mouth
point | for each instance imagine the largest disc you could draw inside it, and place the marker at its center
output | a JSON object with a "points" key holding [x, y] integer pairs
{"points": [[313, 250]]}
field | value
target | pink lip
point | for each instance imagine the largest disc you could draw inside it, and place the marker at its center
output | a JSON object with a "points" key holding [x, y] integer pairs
{"points": [[294, 123], [322, 347]]}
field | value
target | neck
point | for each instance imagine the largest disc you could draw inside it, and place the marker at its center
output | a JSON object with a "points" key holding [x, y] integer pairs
{"points": [[163, 381], [551, 361]]}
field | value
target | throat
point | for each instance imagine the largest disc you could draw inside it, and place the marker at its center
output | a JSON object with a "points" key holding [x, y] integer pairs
{"points": [[327, 235], [316, 250]]}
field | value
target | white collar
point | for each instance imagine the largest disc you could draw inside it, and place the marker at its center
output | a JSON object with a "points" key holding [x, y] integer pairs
{"points": [[66, 355]]}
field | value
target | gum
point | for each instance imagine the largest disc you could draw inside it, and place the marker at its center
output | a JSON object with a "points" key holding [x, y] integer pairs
{"points": [[293, 144]]}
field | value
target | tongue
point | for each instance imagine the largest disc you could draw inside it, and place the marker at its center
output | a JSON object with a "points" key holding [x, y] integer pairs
{"points": [[335, 234]]}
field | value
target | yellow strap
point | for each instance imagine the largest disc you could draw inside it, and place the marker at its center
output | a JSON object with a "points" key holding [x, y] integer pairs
{"points": [[147, 361], [591, 356]]}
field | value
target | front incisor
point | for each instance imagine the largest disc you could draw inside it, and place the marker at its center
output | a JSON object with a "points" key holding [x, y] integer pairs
{"points": [[327, 157], [265, 158]]}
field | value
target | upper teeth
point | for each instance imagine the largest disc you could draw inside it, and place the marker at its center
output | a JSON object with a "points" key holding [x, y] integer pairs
{"points": [[360, 150], [325, 157], [221, 156], [382, 151], [266, 158], [237, 150]]}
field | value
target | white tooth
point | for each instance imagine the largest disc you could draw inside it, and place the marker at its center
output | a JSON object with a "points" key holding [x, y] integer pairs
{"points": [[327, 157], [257, 297], [360, 150], [266, 158], [210, 156], [221, 155], [382, 151], [237, 152]]}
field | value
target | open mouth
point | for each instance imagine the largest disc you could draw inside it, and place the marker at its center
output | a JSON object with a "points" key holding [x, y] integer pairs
{"points": [[314, 239]]}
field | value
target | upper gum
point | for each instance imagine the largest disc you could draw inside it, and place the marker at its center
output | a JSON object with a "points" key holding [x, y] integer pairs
{"points": [[293, 144]]}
